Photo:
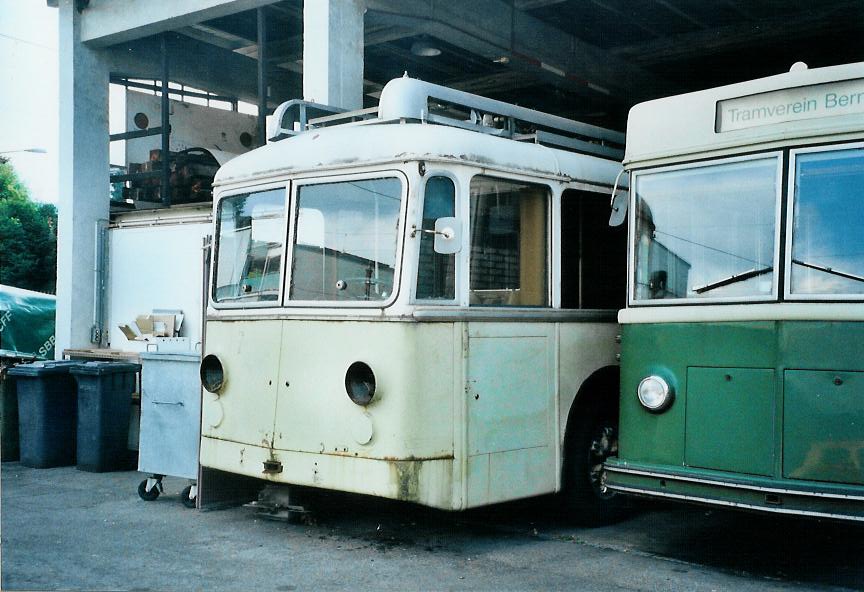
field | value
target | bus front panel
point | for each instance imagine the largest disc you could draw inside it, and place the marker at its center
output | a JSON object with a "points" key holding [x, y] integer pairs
{"points": [[766, 415]]}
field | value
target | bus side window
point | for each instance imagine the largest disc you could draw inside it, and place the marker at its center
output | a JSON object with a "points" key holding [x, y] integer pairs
{"points": [[436, 272], [509, 243], [593, 254]]}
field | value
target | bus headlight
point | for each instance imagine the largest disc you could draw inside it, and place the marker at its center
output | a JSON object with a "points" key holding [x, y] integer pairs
{"points": [[654, 394], [360, 383], [212, 374]]}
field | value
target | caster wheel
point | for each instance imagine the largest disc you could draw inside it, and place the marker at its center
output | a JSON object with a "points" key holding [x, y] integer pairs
{"points": [[147, 496], [184, 497]]}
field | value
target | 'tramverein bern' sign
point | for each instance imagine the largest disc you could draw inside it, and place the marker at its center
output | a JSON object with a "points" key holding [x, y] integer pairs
{"points": [[791, 104]]}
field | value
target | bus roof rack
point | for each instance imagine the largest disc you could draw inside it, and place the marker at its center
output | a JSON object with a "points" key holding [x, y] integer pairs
{"points": [[411, 100]]}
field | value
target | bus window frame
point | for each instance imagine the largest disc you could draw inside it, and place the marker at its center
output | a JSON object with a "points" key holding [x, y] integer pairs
{"points": [[790, 218], [458, 193], [553, 197], [249, 190], [399, 261], [779, 197]]}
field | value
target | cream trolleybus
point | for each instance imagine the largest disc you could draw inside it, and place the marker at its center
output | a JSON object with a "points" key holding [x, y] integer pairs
{"points": [[742, 367], [417, 302]]}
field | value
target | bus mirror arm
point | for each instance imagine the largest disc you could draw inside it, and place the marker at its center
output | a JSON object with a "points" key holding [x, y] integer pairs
{"points": [[447, 233], [448, 236], [618, 203]]}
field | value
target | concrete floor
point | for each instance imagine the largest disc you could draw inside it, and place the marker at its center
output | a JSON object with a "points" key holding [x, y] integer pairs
{"points": [[65, 529]]}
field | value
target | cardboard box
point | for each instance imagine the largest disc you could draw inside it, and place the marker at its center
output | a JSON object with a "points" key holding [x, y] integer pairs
{"points": [[145, 324], [163, 325], [130, 333], [160, 324]]}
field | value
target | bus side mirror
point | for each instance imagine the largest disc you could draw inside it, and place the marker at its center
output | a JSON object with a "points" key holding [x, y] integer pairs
{"points": [[618, 203], [619, 209], [448, 236]]}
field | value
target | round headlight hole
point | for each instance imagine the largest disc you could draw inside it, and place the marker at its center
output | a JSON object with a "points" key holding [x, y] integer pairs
{"points": [[212, 374], [654, 394], [360, 383]]}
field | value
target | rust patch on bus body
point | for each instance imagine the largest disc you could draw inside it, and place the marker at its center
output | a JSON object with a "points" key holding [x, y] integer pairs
{"points": [[407, 477]]}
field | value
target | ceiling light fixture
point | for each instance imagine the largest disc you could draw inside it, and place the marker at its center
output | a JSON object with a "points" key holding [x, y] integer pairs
{"points": [[424, 49]]}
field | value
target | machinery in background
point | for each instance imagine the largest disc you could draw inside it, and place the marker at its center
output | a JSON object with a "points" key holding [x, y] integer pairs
{"points": [[190, 177]]}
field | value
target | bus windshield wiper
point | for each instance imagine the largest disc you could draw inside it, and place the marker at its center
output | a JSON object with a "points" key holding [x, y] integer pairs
{"points": [[843, 274], [733, 279]]}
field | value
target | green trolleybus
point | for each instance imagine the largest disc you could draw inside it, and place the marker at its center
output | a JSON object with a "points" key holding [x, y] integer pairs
{"points": [[742, 368]]}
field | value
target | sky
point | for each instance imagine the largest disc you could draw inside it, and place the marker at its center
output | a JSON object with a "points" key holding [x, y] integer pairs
{"points": [[29, 108]]}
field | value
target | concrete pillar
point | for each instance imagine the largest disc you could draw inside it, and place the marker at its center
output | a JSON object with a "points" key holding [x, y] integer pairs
{"points": [[83, 182], [333, 52]]}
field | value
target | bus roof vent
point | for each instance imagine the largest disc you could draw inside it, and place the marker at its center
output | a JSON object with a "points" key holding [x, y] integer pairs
{"points": [[411, 100]]}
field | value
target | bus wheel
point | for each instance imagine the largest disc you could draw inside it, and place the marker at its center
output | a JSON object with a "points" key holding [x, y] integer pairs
{"points": [[590, 441]]}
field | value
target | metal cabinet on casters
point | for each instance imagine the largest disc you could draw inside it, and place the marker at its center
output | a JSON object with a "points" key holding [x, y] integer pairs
{"points": [[170, 421]]}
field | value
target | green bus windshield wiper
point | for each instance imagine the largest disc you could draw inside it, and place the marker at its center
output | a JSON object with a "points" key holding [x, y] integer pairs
{"points": [[733, 279], [843, 274]]}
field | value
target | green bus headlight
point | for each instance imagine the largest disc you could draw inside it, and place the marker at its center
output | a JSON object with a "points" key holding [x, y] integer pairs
{"points": [[212, 374], [360, 383], [654, 394]]}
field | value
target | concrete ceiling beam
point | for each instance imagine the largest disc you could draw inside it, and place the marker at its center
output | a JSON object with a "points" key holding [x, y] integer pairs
{"points": [[108, 22], [532, 4]]}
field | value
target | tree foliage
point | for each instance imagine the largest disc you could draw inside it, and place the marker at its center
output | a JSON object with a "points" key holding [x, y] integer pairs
{"points": [[28, 236]]}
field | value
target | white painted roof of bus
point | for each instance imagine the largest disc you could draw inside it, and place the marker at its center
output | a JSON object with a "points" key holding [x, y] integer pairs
{"points": [[354, 145], [685, 124]]}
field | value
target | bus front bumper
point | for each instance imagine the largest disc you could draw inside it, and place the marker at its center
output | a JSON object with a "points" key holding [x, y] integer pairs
{"points": [[803, 498], [427, 481]]}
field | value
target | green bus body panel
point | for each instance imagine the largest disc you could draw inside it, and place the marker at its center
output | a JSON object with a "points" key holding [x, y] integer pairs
{"points": [[823, 430], [668, 350], [779, 371], [724, 405]]}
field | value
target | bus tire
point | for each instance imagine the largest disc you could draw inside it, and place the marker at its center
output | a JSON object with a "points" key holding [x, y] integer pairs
{"points": [[591, 438]]}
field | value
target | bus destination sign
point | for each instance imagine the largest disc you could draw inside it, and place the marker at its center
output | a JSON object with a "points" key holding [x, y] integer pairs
{"points": [[791, 104]]}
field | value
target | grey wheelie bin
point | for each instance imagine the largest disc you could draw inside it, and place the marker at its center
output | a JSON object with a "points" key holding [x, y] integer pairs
{"points": [[104, 399], [170, 422], [8, 416], [47, 409]]}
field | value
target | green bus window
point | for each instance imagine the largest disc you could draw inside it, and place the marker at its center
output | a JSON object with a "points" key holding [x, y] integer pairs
{"points": [[593, 254], [706, 232], [509, 243], [436, 272], [346, 237], [249, 247], [827, 242]]}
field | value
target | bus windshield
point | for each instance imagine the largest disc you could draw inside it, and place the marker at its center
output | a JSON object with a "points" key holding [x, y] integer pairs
{"points": [[345, 240], [827, 241], [707, 231], [249, 247]]}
